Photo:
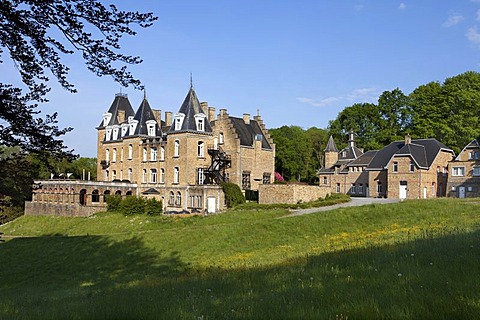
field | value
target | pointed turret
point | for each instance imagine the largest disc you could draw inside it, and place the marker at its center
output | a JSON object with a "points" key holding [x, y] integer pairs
{"points": [[331, 153], [331, 146], [145, 121], [191, 116], [118, 112]]}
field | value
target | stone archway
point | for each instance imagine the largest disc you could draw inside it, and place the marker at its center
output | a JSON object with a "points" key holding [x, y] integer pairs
{"points": [[83, 197]]}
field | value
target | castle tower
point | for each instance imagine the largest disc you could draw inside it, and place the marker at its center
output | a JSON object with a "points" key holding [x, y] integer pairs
{"points": [[331, 153]]}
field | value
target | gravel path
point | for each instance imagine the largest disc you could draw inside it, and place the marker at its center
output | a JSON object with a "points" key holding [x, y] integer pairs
{"points": [[356, 202]]}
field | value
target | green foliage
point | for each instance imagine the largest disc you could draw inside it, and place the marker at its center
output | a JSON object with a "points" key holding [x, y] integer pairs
{"points": [[153, 207], [60, 167], [113, 202], [133, 205], [397, 261], [233, 194], [298, 152], [448, 112]]}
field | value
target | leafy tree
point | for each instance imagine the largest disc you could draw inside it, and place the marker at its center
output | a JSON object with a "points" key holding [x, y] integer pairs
{"points": [[28, 32], [395, 114]]}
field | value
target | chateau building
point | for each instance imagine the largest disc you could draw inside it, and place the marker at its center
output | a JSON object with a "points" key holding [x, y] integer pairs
{"points": [[180, 160], [409, 169]]}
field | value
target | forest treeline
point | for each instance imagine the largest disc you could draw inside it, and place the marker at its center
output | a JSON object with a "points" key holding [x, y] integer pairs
{"points": [[448, 112]]}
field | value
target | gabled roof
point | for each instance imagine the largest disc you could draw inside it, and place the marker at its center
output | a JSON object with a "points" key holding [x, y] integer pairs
{"points": [[120, 102], [144, 114], [151, 191], [247, 133], [331, 146], [351, 153], [472, 145], [364, 159], [190, 107], [422, 151]]}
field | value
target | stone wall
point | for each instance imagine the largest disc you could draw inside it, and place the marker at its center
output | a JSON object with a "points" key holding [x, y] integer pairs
{"points": [[289, 193], [65, 210]]}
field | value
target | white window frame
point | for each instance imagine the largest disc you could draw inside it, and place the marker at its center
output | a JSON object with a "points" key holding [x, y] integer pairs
{"points": [[153, 154], [114, 155], [162, 153], [145, 153], [458, 171], [395, 166], [144, 176], [476, 171], [130, 174], [176, 151], [162, 175], [153, 175], [176, 175], [151, 127], [107, 155], [201, 149], [200, 176], [130, 152]]}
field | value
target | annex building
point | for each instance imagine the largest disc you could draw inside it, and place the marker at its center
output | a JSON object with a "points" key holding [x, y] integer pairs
{"points": [[407, 169], [180, 158]]}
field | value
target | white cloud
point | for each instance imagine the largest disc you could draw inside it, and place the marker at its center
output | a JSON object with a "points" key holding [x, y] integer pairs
{"points": [[402, 6], [319, 102], [356, 96], [473, 36], [453, 20]]}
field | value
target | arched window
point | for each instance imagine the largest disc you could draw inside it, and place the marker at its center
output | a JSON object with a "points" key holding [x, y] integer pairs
{"points": [[153, 175], [130, 152], [83, 197], [176, 174], [162, 153], [144, 176], [144, 154], [129, 193], [106, 175], [118, 192], [130, 174], [176, 151], [106, 193], [114, 156], [107, 154], [178, 201], [200, 149], [95, 196], [171, 200], [153, 154], [220, 138], [162, 175], [114, 174]]}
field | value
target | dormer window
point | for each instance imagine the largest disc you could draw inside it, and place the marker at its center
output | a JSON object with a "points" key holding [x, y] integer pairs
{"points": [[200, 121], [179, 117], [151, 127], [106, 118], [115, 132], [132, 126], [124, 129], [108, 134]]}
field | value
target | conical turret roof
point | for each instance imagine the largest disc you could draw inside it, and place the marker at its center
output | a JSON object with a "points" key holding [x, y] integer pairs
{"points": [[190, 108], [331, 147]]}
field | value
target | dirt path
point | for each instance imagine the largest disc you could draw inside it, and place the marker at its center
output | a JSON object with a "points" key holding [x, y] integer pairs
{"points": [[356, 202]]}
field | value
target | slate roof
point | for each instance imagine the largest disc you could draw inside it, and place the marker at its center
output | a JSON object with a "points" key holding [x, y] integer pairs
{"points": [[422, 151], [120, 102], [364, 159], [151, 191], [248, 132], [331, 146], [144, 114], [351, 153], [472, 145], [190, 107]]}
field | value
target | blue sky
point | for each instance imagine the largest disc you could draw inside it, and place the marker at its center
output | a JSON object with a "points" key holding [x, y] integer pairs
{"points": [[297, 62]]}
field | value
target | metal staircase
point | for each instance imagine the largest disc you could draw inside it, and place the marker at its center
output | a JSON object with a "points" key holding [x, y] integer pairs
{"points": [[215, 173]]}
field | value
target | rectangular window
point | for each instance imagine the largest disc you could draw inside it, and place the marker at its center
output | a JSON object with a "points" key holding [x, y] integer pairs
{"points": [[379, 187], [153, 175], [395, 167], [476, 171], [246, 180], [338, 188], [325, 180], [144, 154], [153, 154], [412, 166], [458, 171], [162, 175], [353, 189], [360, 189], [200, 176], [162, 153], [266, 178]]}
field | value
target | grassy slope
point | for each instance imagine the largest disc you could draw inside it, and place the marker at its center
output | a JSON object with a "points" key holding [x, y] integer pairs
{"points": [[400, 260]]}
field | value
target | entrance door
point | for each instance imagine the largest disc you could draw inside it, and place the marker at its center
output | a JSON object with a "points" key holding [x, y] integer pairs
{"points": [[403, 190], [461, 192], [211, 205], [424, 192]]}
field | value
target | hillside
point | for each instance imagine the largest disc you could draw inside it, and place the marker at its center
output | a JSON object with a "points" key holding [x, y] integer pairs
{"points": [[398, 260]]}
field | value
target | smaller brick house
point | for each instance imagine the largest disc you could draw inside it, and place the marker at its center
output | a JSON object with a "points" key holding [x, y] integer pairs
{"points": [[464, 173], [409, 169]]}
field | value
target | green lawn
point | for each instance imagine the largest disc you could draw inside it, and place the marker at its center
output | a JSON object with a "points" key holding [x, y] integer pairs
{"points": [[415, 259]]}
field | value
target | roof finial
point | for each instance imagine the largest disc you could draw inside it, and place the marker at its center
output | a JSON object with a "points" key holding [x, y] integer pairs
{"points": [[258, 112], [144, 93], [191, 81]]}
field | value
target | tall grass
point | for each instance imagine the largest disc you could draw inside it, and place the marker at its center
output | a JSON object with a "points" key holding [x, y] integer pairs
{"points": [[416, 259]]}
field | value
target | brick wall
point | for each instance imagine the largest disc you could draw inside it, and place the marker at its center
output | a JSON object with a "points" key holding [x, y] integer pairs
{"points": [[289, 193]]}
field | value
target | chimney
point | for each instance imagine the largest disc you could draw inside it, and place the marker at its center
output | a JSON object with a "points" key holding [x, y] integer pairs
{"points": [[168, 118], [351, 139], [204, 106], [408, 139], [246, 118], [211, 114], [158, 116], [121, 116], [223, 113]]}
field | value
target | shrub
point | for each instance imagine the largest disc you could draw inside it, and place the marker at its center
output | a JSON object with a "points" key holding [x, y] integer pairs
{"points": [[132, 205], [233, 194], [113, 202], [153, 207]]}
